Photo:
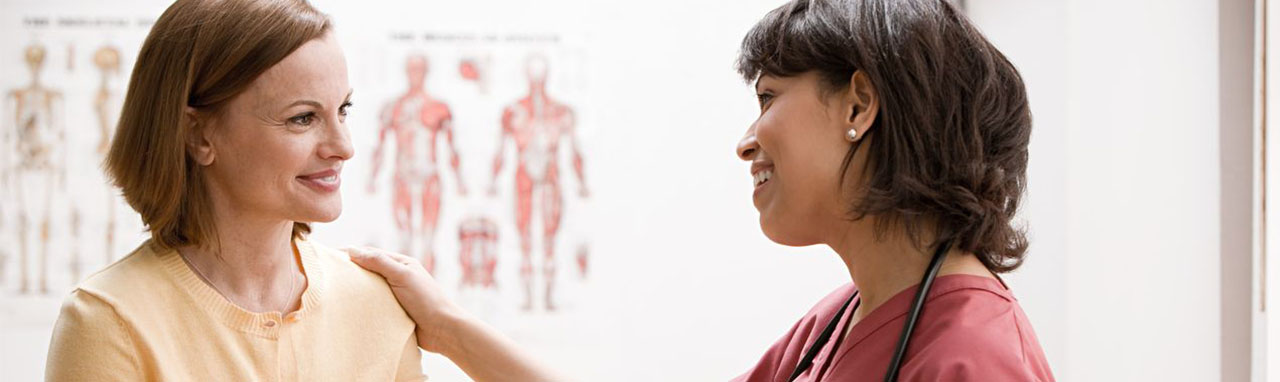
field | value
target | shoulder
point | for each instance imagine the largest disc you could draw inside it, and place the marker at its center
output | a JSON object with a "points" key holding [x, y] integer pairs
{"points": [[93, 333], [135, 278], [347, 281], [438, 105], [515, 108], [973, 330], [338, 267]]}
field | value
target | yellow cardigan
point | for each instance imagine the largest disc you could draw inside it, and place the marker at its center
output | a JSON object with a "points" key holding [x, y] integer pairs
{"points": [[148, 317]]}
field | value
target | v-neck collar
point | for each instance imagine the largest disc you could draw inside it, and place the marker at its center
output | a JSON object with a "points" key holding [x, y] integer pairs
{"points": [[897, 307], [265, 324]]}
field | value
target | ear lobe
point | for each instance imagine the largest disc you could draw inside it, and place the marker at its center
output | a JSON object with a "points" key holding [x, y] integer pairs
{"points": [[199, 146], [866, 102]]}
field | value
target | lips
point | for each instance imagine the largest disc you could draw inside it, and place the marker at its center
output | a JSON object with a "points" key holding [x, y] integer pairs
{"points": [[761, 172], [323, 181]]}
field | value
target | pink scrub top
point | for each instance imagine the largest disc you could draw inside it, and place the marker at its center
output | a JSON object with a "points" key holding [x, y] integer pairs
{"points": [[971, 329]]}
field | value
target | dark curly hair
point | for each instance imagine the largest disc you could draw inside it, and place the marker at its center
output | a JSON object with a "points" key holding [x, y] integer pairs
{"points": [[949, 153]]}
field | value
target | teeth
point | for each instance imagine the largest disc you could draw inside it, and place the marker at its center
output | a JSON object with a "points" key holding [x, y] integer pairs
{"points": [[763, 176], [330, 178]]}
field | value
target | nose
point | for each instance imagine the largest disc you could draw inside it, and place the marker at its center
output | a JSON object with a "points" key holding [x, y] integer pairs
{"points": [[337, 143], [748, 146]]}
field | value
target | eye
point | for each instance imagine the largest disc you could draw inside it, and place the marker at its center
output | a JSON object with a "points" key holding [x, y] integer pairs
{"points": [[764, 98], [342, 110], [304, 119]]}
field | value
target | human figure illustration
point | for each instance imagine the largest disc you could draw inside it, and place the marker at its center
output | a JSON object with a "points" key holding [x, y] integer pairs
{"points": [[40, 167], [415, 120], [106, 107], [536, 123], [478, 251]]}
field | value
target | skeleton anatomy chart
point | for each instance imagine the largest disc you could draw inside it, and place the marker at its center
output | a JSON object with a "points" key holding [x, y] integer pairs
{"points": [[106, 106], [39, 169], [60, 219]]}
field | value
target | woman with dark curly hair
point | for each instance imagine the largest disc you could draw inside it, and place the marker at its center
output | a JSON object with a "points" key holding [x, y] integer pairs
{"points": [[893, 132]]}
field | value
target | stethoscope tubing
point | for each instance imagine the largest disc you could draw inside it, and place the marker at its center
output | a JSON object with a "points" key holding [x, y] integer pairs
{"points": [[935, 264]]}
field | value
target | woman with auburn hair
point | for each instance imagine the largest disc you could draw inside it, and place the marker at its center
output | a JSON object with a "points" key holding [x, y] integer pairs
{"points": [[232, 139], [893, 132]]}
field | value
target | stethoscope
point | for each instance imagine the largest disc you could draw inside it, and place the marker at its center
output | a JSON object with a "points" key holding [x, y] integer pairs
{"points": [[912, 316]]}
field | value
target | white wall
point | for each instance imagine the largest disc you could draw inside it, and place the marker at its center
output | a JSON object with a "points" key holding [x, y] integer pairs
{"points": [[1136, 154]]}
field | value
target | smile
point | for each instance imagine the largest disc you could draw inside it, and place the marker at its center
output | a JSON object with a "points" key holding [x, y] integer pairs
{"points": [[324, 181], [762, 176]]}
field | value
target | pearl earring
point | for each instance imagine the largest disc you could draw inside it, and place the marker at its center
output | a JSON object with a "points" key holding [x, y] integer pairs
{"points": [[851, 135]]}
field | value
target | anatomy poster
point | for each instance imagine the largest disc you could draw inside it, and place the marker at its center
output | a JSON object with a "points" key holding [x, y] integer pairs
{"points": [[60, 220], [474, 155], [477, 163]]}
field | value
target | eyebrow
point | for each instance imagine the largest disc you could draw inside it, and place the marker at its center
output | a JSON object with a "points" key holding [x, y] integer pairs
{"points": [[317, 104]]}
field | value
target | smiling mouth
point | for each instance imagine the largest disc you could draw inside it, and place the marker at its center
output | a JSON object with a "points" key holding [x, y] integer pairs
{"points": [[763, 176], [325, 181]]}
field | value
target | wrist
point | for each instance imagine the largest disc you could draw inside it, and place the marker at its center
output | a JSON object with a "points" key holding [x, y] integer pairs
{"points": [[448, 331]]}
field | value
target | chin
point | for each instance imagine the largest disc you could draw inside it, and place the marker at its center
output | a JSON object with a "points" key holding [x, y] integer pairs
{"points": [[322, 213], [785, 236]]}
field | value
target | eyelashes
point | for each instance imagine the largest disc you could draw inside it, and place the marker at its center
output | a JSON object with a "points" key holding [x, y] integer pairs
{"points": [[308, 118], [304, 119], [764, 99]]}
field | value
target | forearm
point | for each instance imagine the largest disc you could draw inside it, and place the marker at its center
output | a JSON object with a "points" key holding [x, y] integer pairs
{"points": [[487, 355]]}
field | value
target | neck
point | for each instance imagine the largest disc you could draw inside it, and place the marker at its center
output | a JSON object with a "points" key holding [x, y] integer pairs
{"points": [[253, 263], [881, 267], [538, 92]]}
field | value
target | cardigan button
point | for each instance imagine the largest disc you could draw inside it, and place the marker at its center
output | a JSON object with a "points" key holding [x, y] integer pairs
{"points": [[270, 324]]}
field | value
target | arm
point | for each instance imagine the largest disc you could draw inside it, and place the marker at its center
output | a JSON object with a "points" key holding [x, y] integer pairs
{"points": [[502, 148], [572, 124], [385, 121], [8, 141], [443, 327], [104, 130], [455, 161], [90, 343], [54, 108]]}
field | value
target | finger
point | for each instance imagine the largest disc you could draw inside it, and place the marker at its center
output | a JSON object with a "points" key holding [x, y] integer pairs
{"points": [[409, 263], [362, 253], [402, 259], [376, 262]]}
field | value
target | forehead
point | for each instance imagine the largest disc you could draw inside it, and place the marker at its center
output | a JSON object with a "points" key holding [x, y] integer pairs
{"points": [[316, 70]]}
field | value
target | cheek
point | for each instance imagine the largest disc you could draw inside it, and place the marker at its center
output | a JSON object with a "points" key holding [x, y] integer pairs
{"points": [[266, 162], [809, 161]]}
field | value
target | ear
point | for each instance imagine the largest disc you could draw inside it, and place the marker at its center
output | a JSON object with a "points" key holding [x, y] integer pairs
{"points": [[863, 102], [199, 142]]}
